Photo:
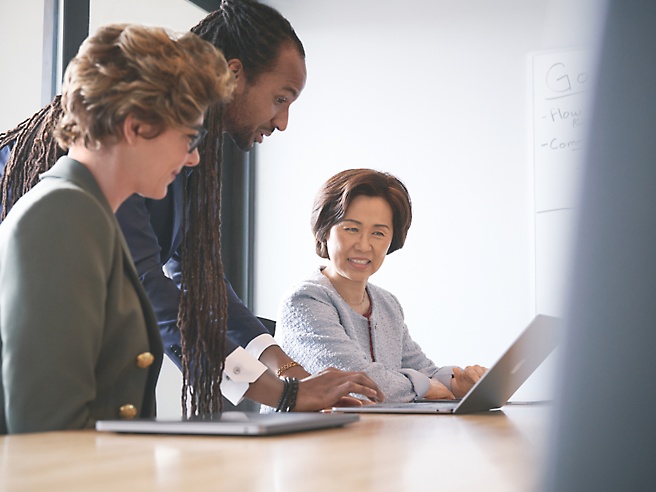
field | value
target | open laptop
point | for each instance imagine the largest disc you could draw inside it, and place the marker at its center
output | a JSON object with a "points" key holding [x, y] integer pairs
{"points": [[232, 424], [497, 385]]}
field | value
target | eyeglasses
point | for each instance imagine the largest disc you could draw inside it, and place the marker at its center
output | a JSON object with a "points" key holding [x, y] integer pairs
{"points": [[197, 138]]}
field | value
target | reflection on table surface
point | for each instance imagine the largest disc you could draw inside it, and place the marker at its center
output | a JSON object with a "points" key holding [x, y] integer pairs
{"points": [[499, 450]]}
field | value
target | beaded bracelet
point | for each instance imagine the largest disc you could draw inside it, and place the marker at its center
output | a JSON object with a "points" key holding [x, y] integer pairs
{"points": [[285, 390], [291, 400], [284, 396], [287, 400]]}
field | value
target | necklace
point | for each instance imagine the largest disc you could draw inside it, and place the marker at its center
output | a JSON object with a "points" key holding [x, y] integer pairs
{"points": [[364, 298]]}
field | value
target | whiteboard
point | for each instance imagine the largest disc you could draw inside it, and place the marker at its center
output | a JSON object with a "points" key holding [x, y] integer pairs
{"points": [[559, 88]]}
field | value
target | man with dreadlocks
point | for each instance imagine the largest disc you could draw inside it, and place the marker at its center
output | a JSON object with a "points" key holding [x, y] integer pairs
{"points": [[194, 304]]}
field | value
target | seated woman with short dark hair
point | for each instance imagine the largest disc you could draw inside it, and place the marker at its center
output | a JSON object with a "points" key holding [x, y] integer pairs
{"points": [[337, 318]]}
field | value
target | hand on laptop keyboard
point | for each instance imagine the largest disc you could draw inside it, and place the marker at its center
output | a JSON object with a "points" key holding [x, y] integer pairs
{"points": [[463, 380]]}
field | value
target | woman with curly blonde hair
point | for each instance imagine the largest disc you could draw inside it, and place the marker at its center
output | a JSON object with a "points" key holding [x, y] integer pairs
{"points": [[79, 338]]}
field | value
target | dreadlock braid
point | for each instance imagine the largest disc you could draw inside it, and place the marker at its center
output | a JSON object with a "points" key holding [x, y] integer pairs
{"points": [[33, 144], [253, 33], [203, 314]]}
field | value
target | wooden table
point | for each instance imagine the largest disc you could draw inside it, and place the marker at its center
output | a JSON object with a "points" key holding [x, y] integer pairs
{"points": [[483, 452]]}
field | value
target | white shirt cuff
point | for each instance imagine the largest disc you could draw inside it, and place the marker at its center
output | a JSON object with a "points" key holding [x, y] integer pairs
{"points": [[259, 344], [241, 369]]}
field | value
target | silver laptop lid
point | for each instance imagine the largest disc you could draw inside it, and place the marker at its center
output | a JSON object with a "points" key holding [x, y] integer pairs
{"points": [[498, 384], [514, 367]]}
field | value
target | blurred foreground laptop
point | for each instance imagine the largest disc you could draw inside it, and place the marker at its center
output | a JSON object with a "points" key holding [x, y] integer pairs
{"points": [[497, 385], [231, 424]]}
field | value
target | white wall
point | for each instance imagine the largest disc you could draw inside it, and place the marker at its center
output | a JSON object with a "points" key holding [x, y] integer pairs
{"points": [[180, 15], [21, 39], [436, 92]]}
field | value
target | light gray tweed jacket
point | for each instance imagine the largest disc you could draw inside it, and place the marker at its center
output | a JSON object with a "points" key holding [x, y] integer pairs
{"points": [[318, 329]]}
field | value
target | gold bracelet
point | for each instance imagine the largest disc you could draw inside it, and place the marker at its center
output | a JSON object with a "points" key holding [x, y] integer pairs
{"points": [[283, 368]]}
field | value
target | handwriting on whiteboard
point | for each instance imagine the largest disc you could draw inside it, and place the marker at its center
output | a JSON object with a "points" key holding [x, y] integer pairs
{"points": [[564, 83], [560, 82]]}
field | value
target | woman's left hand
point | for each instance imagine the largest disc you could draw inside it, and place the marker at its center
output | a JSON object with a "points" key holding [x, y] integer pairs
{"points": [[463, 380]]}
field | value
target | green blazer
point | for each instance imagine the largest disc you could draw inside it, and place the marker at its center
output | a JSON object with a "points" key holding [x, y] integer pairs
{"points": [[79, 341]]}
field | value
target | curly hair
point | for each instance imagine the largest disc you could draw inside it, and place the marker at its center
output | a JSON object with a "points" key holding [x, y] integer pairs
{"points": [[161, 78]]}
